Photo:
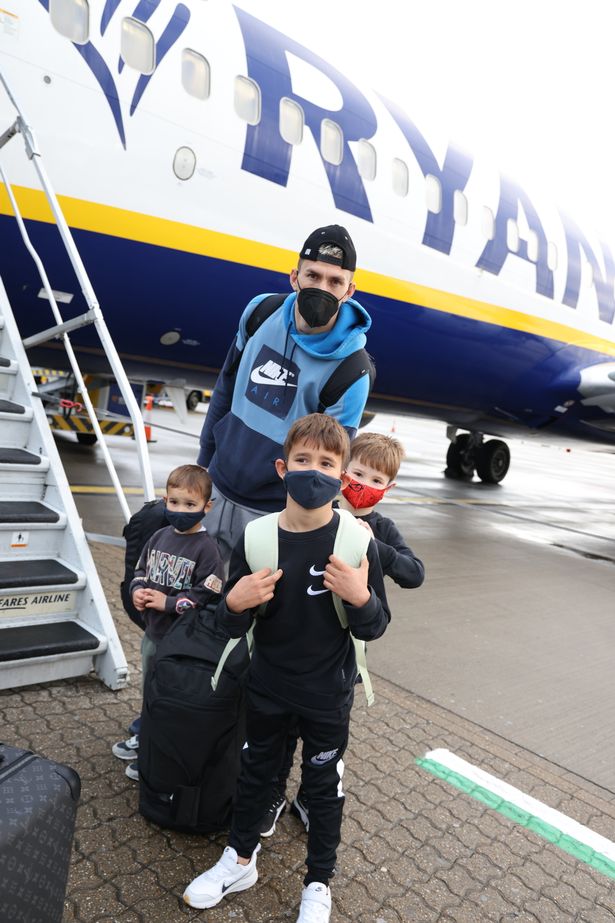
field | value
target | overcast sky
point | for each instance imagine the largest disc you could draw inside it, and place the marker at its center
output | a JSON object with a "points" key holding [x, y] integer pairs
{"points": [[529, 84]]}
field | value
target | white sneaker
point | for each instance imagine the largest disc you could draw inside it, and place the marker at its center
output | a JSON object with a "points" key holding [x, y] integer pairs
{"points": [[315, 904], [226, 876], [127, 749]]}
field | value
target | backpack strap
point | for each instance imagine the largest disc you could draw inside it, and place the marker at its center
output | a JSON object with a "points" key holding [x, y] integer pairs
{"points": [[353, 367], [264, 309], [260, 541], [350, 545], [231, 644], [261, 550]]}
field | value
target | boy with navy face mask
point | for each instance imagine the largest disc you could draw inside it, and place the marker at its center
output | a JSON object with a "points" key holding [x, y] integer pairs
{"points": [[179, 569], [372, 469], [303, 669]]}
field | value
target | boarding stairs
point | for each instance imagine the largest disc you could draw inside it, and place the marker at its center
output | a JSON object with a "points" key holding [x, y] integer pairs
{"points": [[55, 622]]}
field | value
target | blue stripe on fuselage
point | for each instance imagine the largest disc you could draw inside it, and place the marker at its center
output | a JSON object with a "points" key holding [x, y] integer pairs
{"points": [[422, 356]]}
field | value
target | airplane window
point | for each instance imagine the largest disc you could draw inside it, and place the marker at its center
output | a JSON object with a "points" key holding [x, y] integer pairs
{"points": [[400, 177], [71, 18], [331, 142], [460, 208], [248, 100], [532, 246], [512, 235], [367, 160], [184, 163], [551, 256], [196, 75], [291, 121], [488, 223], [137, 46], [433, 193]]}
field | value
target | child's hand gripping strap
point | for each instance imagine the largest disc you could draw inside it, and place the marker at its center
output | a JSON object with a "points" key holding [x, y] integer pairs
{"points": [[261, 550]]}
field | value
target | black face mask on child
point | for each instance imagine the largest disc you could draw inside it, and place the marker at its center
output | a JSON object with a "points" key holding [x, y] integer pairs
{"points": [[311, 489], [183, 521]]}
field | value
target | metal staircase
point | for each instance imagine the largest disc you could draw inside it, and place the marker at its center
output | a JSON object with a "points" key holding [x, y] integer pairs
{"points": [[54, 618]]}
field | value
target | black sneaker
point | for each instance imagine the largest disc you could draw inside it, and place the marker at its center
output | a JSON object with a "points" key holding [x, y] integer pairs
{"points": [[299, 808], [278, 806]]}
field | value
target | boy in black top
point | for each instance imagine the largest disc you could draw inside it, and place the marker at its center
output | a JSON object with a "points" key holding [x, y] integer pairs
{"points": [[179, 568], [373, 466], [303, 668]]}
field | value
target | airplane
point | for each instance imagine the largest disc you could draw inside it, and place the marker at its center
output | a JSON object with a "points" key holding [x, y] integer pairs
{"points": [[193, 145]]}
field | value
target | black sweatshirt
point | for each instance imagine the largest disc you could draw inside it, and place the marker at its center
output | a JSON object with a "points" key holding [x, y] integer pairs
{"points": [[302, 655], [398, 561], [177, 564]]}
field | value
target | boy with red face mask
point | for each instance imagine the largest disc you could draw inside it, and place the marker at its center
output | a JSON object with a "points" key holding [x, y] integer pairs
{"points": [[373, 466]]}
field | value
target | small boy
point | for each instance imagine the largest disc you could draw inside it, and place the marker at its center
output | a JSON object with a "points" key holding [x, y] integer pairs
{"points": [[180, 568], [374, 463], [373, 466], [303, 668]]}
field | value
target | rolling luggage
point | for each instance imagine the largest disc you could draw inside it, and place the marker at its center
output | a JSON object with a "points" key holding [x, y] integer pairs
{"points": [[191, 737], [38, 805]]}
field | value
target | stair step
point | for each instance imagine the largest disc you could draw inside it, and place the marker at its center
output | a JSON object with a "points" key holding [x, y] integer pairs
{"points": [[10, 456], [26, 511], [11, 407], [43, 640], [29, 573]]}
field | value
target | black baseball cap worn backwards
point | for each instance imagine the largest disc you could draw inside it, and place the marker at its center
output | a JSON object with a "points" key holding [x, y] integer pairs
{"points": [[333, 234]]}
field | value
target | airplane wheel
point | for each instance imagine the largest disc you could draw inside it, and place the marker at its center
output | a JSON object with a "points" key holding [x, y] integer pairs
{"points": [[460, 460], [86, 438], [193, 400], [493, 461]]}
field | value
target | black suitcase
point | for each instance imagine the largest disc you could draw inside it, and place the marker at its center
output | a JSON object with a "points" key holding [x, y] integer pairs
{"points": [[38, 805], [191, 738]]}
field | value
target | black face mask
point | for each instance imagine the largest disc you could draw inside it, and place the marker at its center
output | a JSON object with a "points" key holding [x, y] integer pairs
{"points": [[316, 307], [311, 489], [183, 521]]}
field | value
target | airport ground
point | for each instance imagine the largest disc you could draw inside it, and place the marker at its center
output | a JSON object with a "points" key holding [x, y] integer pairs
{"points": [[504, 658]]}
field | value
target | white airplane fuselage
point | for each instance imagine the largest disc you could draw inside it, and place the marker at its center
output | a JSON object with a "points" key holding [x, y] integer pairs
{"points": [[490, 309]]}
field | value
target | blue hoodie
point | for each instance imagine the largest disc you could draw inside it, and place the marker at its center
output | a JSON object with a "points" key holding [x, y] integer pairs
{"points": [[279, 379]]}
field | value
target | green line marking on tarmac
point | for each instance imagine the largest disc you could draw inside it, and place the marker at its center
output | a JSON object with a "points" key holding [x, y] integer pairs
{"points": [[578, 841]]}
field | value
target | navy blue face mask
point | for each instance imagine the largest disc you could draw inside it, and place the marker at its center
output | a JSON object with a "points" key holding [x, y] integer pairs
{"points": [[311, 489], [183, 521]]}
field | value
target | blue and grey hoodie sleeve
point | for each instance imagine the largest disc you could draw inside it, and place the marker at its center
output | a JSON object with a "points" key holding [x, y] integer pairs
{"points": [[222, 395], [349, 409]]}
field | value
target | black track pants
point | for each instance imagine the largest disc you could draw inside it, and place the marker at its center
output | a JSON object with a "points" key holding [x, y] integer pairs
{"points": [[324, 742]]}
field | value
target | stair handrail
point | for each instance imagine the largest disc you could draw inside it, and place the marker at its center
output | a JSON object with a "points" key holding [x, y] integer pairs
{"points": [[96, 317]]}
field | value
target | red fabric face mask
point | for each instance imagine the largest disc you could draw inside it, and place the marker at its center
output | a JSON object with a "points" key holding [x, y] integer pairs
{"points": [[361, 496]]}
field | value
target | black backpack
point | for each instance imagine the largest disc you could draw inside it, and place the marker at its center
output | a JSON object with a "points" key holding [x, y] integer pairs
{"points": [[349, 370], [139, 528], [191, 738]]}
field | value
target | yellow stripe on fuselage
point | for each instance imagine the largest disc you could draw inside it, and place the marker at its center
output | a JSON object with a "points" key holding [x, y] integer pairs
{"points": [[161, 232]]}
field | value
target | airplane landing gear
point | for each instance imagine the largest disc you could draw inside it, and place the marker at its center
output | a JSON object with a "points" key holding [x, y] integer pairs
{"points": [[493, 461], [468, 453], [460, 458]]}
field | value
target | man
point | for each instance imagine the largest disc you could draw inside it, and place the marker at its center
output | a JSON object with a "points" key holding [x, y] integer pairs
{"points": [[275, 374]]}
